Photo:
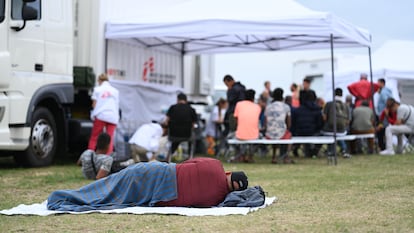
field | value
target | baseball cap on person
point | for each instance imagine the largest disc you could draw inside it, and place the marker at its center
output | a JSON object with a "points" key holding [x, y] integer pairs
{"points": [[240, 178]]}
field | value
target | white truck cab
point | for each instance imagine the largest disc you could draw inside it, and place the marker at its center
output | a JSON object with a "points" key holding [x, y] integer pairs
{"points": [[50, 51], [36, 62]]}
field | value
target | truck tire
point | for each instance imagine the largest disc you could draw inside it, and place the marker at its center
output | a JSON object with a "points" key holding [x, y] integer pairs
{"points": [[43, 140]]}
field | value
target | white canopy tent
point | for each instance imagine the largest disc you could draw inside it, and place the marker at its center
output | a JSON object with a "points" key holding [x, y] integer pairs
{"points": [[215, 26], [197, 27], [393, 61]]}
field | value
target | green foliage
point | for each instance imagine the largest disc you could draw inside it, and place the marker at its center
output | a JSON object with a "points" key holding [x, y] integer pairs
{"points": [[361, 194]]}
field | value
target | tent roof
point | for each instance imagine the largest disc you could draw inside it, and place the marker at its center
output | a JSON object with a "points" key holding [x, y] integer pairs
{"points": [[215, 26]]}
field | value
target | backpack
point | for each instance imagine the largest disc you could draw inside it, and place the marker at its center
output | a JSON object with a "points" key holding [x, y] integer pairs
{"points": [[341, 116], [250, 197]]}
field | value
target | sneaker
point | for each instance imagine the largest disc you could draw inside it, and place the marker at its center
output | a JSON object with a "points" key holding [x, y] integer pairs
{"points": [[127, 163], [346, 155], [387, 152]]}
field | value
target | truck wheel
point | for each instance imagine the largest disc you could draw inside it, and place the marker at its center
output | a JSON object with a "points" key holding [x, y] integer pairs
{"points": [[43, 140]]}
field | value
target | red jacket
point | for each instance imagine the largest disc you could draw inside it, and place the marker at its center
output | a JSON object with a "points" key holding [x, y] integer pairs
{"points": [[201, 182], [362, 91], [392, 117]]}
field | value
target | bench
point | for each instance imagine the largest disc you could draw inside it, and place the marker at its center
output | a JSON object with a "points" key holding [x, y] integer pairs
{"points": [[301, 140]]}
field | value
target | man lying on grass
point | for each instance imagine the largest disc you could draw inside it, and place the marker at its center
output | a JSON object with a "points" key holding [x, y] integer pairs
{"points": [[199, 182]]}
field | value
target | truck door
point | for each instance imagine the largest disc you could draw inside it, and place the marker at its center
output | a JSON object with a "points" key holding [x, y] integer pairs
{"points": [[4, 53], [26, 45]]}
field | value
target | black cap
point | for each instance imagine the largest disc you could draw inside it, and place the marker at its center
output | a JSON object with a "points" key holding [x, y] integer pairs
{"points": [[240, 178]]}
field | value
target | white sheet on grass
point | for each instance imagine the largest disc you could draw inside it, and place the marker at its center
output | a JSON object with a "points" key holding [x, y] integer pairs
{"points": [[40, 209]]}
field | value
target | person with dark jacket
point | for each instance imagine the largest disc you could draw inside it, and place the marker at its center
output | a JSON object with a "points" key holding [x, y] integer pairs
{"points": [[235, 93], [307, 121]]}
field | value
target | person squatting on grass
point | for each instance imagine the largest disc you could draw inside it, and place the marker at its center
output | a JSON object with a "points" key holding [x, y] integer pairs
{"points": [[199, 182]]}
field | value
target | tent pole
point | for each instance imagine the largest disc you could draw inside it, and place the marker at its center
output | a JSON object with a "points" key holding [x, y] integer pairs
{"points": [[372, 83], [106, 56], [334, 162], [182, 64]]}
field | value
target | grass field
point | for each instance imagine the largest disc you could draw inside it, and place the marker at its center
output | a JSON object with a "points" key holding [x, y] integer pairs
{"points": [[361, 194]]}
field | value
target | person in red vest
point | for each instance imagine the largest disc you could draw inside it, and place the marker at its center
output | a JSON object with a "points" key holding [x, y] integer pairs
{"points": [[362, 90]]}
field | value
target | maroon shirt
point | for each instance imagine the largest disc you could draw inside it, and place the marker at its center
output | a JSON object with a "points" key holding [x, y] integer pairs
{"points": [[201, 182]]}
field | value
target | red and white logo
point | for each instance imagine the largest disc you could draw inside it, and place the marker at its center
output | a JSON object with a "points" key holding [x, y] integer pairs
{"points": [[148, 68]]}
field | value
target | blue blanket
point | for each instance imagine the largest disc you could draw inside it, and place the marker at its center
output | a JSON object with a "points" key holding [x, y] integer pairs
{"points": [[142, 184]]}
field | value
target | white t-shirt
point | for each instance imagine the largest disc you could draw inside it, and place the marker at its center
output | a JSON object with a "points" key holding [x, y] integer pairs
{"points": [[147, 136], [406, 112], [107, 103], [211, 123]]}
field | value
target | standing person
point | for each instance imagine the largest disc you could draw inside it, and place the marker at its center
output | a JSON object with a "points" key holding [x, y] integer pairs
{"points": [[350, 104], [105, 113], [295, 95], [277, 125], [404, 124], [214, 123], [266, 94], [247, 115], [306, 90], [342, 121], [96, 164], [384, 93], [362, 90], [235, 93], [363, 122], [180, 119], [145, 141]]}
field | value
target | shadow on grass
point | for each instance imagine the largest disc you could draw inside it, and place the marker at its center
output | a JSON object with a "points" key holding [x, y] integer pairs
{"points": [[7, 162]]}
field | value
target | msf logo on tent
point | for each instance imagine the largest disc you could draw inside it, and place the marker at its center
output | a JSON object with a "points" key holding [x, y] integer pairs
{"points": [[147, 69]]}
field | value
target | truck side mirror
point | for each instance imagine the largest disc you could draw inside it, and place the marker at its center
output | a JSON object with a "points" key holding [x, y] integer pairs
{"points": [[28, 13]]}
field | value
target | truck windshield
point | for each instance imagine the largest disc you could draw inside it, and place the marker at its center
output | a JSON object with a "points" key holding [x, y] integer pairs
{"points": [[1, 10]]}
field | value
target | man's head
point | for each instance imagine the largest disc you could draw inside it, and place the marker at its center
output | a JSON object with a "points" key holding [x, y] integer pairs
{"points": [[348, 99], [306, 83], [338, 92], [381, 82], [249, 94], [267, 85], [277, 94], [228, 81], [181, 97], [305, 96], [363, 76], [239, 181], [288, 100], [102, 78], [293, 87], [102, 144], [392, 104], [365, 103]]}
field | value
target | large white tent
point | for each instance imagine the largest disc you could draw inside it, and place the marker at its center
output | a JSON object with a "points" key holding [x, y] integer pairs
{"points": [[393, 61], [229, 26], [197, 27]]}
